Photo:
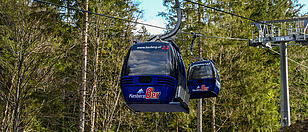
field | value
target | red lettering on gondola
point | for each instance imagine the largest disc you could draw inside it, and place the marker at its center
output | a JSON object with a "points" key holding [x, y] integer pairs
{"points": [[151, 95], [203, 88]]}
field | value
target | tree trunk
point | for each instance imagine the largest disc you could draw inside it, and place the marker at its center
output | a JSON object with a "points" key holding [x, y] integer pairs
{"points": [[5, 119], [94, 89], [199, 115], [213, 115], [84, 72], [17, 103], [200, 56], [8, 110]]}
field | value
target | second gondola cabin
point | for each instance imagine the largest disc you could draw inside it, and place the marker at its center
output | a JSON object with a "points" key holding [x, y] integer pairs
{"points": [[203, 80]]}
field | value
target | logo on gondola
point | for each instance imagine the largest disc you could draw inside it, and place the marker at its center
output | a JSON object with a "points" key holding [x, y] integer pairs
{"points": [[140, 92], [150, 94], [138, 95], [203, 88]]}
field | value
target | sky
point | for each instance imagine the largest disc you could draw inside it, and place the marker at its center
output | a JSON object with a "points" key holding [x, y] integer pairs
{"points": [[305, 8], [151, 8]]}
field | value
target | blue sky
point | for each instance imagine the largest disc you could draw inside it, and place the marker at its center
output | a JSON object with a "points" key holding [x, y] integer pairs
{"points": [[305, 8], [151, 8]]}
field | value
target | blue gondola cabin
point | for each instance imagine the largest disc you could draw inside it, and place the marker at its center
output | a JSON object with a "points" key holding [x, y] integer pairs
{"points": [[203, 80], [154, 78]]}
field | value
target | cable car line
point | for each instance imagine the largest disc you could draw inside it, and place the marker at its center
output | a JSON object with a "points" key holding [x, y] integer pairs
{"points": [[289, 58], [239, 39], [246, 19], [145, 24], [223, 11], [256, 21], [104, 15], [206, 36], [122, 19]]}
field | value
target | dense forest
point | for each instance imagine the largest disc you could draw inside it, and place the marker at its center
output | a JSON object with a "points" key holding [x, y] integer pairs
{"points": [[41, 66]]}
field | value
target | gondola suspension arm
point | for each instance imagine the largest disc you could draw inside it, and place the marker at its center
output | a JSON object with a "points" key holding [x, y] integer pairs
{"points": [[192, 46], [176, 28]]}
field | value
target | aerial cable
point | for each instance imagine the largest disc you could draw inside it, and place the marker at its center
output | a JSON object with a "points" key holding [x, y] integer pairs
{"points": [[104, 15], [289, 58], [202, 35], [239, 39], [246, 19], [145, 24], [219, 10], [223, 11]]}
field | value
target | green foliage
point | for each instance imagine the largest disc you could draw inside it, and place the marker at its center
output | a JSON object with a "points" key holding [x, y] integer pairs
{"points": [[250, 95], [51, 40]]}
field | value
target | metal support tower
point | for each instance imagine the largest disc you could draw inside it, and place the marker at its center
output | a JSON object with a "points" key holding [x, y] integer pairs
{"points": [[284, 98], [282, 32]]}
